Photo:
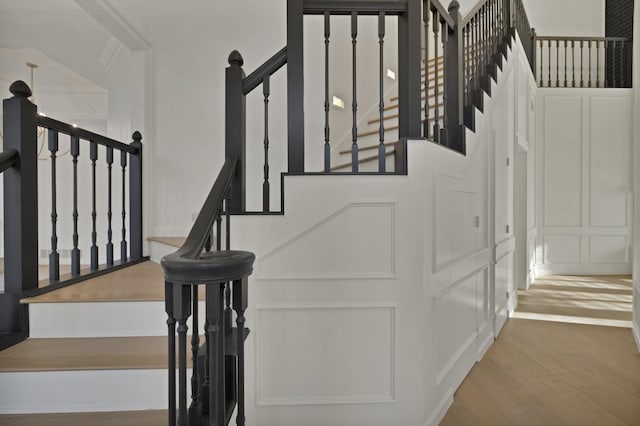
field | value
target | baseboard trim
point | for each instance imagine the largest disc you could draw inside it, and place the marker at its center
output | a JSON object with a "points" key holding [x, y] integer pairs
{"points": [[441, 409], [635, 328]]}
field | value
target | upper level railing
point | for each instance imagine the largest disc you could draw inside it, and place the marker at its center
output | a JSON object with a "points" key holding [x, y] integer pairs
{"points": [[600, 62], [22, 237]]}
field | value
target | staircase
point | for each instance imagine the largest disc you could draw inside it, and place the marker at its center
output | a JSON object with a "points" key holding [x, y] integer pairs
{"points": [[84, 335], [97, 346]]}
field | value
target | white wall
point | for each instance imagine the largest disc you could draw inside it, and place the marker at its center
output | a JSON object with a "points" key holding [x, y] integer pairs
{"points": [[584, 181], [566, 17]]}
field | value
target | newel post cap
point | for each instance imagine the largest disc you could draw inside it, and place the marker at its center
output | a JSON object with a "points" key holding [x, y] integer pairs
{"points": [[20, 89], [235, 58], [137, 136], [454, 5]]}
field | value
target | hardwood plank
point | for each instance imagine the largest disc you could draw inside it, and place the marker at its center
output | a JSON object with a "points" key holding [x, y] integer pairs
{"points": [[75, 354], [142, 282], [541, 373], [115, 418]]}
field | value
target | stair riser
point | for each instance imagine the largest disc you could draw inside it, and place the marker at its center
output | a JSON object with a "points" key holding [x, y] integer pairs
{"points": [[100, 319], [83, 391]]}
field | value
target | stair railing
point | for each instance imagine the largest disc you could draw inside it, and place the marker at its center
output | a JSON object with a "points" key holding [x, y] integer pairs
{"points": [[467, 52], [217, 380], [599, 62], [20, 165]]}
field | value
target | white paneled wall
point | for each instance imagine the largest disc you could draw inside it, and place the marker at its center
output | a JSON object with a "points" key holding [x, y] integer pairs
{"points": [[584, 181]]}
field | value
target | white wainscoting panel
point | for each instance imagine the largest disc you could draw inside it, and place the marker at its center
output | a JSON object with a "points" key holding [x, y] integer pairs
{"points": [[608, 249], [343, 354], [562, 176], [562, 249], [610, 160], [356, 242], [584, 181], [456, 308]]}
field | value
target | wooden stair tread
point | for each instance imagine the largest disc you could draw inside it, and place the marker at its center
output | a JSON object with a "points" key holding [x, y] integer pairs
{"points": [[176, 242], [361, 161], [389, 117], [368, 148], [87, 353], [141, 282], [109, 418]]}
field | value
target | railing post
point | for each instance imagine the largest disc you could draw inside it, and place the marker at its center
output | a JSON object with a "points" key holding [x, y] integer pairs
{"points": [[135, 198], [508, 14], [236, 130], [21, 212], [534, 55], [453, 83], [295, 86], [21, 187], [409, 83]]}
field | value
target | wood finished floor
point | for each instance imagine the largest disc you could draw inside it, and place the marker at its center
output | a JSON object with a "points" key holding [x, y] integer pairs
{"points": [[123, 418], [606, 297], [95, 353], [548, 373], [141, 282]]}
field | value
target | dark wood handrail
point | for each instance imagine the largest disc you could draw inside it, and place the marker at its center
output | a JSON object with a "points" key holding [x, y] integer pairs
{"points": [[362, 7], [467, 18], [8, 159], [272, 65], [201, 229], [563, 38], [68, 129], [443, 12]]}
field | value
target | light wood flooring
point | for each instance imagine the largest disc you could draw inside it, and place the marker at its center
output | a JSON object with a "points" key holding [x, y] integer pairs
{"points": [[141, 282], [123, 418], [548, 373], [599, 297]]}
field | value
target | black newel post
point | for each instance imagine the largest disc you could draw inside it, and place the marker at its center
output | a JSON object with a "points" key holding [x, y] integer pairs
{"points": [[21, 207], [409, 83], [295, 86], [135, 198], [21, 192], [453, 82], [236, 130]]}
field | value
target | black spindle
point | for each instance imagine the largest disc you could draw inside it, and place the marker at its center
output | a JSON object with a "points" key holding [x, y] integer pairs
{"points": [[381, 150], [581, 63], [195, 345], [549, 64], [573, 61], [590, 63], [327, 144], [565, 64], [426, 13], [557, 63], [354, 105], [109, 206], [54, 256], [436, 121], [123, 243], [598, 63], [75, 252], [265, 184], [93, 155]]}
